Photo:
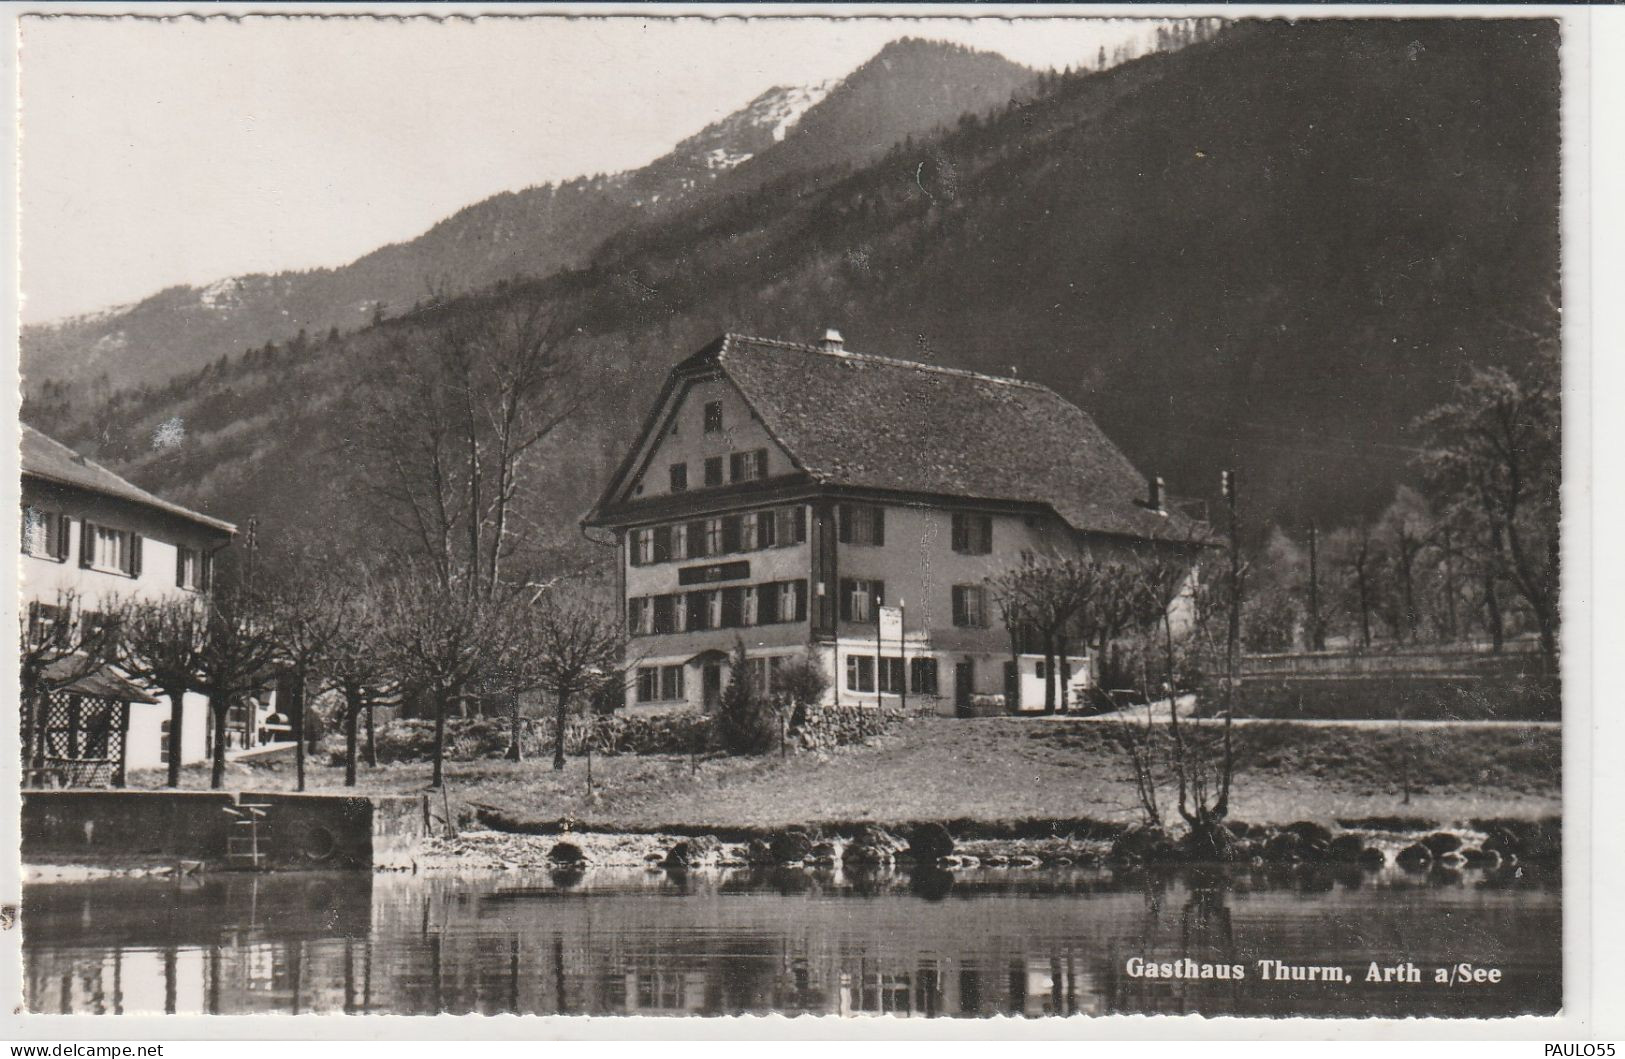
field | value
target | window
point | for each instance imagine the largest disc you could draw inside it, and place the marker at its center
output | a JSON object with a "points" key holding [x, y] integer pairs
{"points": [[46, 624], [713, 417], [679, 477], [751, 613], [679, 542], [45, 534], [732, 534], [922, 675], [695, 533], [970, 606], [713, 536], [191, 566], [891, 676], [782, 601], [664, 614], [643, 547], [713, 470], [790, 526], [639, 616], [862, 524], [732, 608], [115, 551], [648, 684], [671, 683], [759, 529], [859, 597], [973, 534], [697, 611], [860, 673], [747, 466]]}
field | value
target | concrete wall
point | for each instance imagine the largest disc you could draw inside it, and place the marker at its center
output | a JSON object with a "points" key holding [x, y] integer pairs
{"points": [[299, 831]]}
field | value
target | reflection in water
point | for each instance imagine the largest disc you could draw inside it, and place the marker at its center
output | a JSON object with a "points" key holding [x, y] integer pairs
{"points": [[934, 943]]}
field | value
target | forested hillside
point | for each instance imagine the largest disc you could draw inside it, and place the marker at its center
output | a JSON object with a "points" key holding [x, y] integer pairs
{"points": [[1272, 251]]}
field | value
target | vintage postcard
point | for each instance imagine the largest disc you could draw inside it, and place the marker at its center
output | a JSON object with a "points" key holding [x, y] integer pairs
{"points": [[624, 513]]}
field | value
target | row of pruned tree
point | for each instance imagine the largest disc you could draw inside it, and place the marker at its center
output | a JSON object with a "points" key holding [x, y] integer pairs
{"points": [[369, 638], [1159, 607]]}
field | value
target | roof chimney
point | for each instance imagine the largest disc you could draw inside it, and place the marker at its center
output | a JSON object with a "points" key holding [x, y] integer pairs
{"points": [[832, 342], [1155, 503]]}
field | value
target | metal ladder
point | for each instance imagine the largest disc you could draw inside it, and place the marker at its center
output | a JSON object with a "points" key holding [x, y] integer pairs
{"points": [[243, 850]]}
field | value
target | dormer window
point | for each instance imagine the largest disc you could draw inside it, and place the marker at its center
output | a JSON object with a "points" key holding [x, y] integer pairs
{"points": [[713, 417]]}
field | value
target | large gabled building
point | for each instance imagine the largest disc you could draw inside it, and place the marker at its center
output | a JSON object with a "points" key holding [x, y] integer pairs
{"points": [[780, 493]]}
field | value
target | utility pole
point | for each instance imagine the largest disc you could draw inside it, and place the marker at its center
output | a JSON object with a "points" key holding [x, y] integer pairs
{"points": [[1317, 635], [1227, 485], [1449, 587]]}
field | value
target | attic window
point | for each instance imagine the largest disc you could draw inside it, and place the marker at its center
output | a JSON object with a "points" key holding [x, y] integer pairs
{"points": [[713, 417]]}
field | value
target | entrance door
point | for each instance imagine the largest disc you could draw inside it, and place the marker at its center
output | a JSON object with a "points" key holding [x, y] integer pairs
{"points": [[711, 681], [964, 682]]}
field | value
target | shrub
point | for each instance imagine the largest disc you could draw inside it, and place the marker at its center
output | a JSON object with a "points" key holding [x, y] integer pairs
{"points": [[745, 722]]}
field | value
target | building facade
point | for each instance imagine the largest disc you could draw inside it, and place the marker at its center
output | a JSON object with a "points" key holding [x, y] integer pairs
{"points": [[807, 501], [91, 540]]}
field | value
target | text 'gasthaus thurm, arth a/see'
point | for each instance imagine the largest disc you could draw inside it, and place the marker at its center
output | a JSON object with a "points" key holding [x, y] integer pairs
{"points": [[1271, 970]]}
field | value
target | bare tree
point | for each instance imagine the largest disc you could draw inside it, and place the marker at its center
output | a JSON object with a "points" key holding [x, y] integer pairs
{"points": [[1497, 447], [355, 662], [237, 652], [455, 411], [1053, 600], [161, 643], [437, 636], [304, 618], [567, 643]]}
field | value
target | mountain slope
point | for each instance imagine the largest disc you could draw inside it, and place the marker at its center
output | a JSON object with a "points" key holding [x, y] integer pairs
{"points": [[1269, 251], [910, 88]]}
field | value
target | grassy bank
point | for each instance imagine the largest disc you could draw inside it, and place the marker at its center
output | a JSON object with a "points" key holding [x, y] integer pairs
{"points": [[994, 771]]}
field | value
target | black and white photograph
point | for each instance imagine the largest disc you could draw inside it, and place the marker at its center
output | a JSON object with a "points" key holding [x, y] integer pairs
{"points": [[623, 513]]}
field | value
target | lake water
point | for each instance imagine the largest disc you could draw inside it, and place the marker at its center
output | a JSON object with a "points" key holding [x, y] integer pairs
{"points": [[1034, 943]]}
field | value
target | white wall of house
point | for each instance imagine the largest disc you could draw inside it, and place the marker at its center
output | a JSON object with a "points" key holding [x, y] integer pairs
{"points": [[46, 578], [149, 732]]}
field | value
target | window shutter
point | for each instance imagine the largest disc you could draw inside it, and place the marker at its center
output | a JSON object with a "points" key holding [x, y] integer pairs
{"points": [[761, 463], [843, 523], [135, 555], [987, 534], [959, 532], [205, 570], [846, 599], [87, 544], [880, 525], [959, 605], [63, 522], [180, 567]]}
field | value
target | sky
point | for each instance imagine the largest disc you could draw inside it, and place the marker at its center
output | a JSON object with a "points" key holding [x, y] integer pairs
{"points": [[157, 152]]}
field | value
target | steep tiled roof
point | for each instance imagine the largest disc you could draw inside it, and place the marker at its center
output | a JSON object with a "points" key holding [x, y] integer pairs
{"points": [[859, 420], [52, 461]]}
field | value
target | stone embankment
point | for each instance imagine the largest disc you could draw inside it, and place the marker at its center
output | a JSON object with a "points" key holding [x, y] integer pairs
{"points": [[1372, 845]]}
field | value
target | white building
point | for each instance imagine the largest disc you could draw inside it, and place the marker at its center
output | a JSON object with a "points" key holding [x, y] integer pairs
{"points": [[91, 538]]}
